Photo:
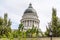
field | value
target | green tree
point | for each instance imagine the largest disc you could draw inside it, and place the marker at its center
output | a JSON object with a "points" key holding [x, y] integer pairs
{"points": [[54, 25], [34, 32], [15, 34], [20, 28], [28, 33], [1, 28], [5, 25], [1, 21]]}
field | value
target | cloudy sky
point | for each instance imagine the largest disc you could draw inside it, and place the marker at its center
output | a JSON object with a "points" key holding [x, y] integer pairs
{"points": [[16, 8]]}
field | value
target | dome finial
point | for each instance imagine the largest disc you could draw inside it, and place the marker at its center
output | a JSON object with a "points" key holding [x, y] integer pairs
{"points": [[30, 5]]}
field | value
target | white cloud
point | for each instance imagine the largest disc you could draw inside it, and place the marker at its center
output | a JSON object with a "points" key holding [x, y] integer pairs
{"points": [[16, 8]]}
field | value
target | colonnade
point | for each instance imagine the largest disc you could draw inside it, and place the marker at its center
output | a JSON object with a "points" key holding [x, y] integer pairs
{"points": [[30, 23]]}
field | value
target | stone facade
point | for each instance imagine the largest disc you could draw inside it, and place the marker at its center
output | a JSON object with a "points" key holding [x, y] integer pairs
{"points": [[30, 18]]}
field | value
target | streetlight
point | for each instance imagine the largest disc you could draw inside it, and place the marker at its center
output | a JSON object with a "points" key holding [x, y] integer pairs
{"points": [[50, 30], [51, 33]]}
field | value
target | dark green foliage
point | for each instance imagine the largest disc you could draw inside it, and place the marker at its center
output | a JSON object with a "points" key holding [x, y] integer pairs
{"points": [[5, 26], [29, 32], [34, 30], [47, 33], [15, 34], [20, 28], [1, 21], [54, 25]]}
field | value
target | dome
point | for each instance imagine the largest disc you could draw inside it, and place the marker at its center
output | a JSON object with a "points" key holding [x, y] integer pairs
{"points": [[30, 9]]}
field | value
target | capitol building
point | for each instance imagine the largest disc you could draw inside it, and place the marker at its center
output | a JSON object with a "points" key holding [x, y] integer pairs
{"points": [[30, 18]]}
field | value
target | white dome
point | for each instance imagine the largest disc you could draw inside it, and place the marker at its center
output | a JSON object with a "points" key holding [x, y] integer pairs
{"points": [[30, 18], [30, 12]]}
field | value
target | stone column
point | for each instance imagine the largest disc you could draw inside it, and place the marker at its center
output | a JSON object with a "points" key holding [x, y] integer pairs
{"points": [[23, 23], [34, 23], [26, 23], [29, 23], [38, 24]]}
